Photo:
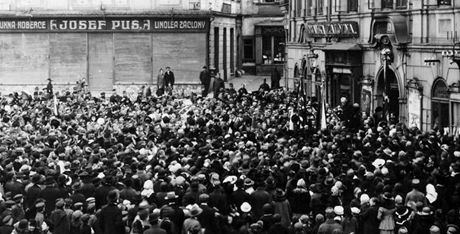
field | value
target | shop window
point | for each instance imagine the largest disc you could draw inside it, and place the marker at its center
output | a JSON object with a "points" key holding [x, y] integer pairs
{"points": [[401, 3], [444, 2], [248, 49], [439, 105], [352, 5], [272, 47], [273, 41], [387, 4]]}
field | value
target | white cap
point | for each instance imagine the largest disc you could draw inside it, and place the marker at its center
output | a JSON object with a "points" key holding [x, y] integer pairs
{"points": [[245, 207]]}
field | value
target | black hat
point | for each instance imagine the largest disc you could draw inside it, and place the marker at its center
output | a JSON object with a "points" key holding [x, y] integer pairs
{"points": [[112, 196], [23, 225], [49, 180]]}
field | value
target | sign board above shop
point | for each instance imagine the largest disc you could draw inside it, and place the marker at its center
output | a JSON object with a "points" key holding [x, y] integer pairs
{"points": [[333, 29], [106, 24]]}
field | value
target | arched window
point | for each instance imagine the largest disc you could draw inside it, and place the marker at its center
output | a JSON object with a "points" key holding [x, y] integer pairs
{"points": [[439, 104]]}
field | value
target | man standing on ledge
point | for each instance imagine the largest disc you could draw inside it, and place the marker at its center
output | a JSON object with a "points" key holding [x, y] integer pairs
{"points": [[205, 79], [169, 78]]}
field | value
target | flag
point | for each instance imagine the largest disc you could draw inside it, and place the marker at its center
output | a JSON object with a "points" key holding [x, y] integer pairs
{"points": [[323, 108], [55, 105]]}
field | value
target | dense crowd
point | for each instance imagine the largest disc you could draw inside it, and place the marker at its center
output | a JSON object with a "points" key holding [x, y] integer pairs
{"points": [[237, 163]]}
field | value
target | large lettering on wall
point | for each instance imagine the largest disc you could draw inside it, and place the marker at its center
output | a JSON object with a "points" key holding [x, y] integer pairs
{"points": [[332, 29], [106, 24]]}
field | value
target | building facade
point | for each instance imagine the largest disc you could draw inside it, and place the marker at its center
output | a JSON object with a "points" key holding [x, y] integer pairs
{"points": [[263, 36], [118, 44], [122, 44], [395, 55]]}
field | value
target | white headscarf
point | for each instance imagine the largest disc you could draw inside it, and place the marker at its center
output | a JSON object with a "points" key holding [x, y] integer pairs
{"points": [[148, 189]]}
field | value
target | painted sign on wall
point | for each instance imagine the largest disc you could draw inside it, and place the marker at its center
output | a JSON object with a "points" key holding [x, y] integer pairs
{"points": [[333, 29], [104, 25], [414, 105]]}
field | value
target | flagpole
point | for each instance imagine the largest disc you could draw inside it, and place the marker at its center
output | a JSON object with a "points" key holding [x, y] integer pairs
{"points": [[323, 103]]}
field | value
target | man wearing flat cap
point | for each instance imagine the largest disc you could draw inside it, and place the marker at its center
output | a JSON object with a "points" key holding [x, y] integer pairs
{"points": [[17, 211], [111, 221], [59, 221], [32, 191]]}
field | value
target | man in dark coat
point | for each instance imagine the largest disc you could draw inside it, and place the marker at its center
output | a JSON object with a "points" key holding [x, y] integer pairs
{"points": [[7, 225], [331, 226], [240, 196], [50, 193], [205, 80], [155, 225], [219, 85], [264, 86], [169, 78], [207, 218], [88, 189], [260, 198], [103, 191], [111, 221], [369, 218], [32, 192], [59, 220], [173, 212], [12, 185], [275, 79]]}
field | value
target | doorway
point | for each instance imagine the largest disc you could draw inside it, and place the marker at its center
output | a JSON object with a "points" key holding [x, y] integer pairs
{"points": [[392, 88], [100, 61]]}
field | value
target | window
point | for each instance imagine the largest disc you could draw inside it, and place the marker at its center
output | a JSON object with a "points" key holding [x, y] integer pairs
{"points": [[401, 3], [308, 8], [248, 49], [298, 8], [444, 26], [387, 4], [273, 43], [319, 7], [352, 5], [444, 2]]}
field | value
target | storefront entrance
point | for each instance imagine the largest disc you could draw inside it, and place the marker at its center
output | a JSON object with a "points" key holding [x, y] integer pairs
{"points": [[440, 105], [393, 92]]}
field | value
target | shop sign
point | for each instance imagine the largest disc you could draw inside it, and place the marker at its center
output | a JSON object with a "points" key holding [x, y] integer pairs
{"points": [[103, 25], [414, 106], [333, 29]]}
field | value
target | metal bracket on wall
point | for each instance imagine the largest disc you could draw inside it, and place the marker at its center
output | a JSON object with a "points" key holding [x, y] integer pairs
{"points": [[456, 56]]}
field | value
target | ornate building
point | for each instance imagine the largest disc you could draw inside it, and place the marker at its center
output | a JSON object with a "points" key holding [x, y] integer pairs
{"points": [[122, 44], [391, 55]]}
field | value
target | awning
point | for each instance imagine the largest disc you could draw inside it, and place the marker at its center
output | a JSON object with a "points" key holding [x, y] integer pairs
{"points": [[270, 23], [342, 46]]}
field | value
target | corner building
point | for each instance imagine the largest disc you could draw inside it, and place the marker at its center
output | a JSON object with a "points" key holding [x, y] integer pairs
{"points": [[404, 50], [111, 44]]}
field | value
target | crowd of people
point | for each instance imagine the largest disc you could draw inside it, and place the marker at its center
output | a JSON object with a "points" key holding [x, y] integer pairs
{"points": [[241, 162]]}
